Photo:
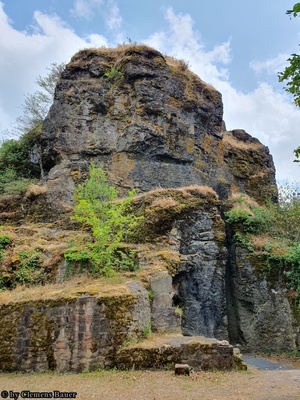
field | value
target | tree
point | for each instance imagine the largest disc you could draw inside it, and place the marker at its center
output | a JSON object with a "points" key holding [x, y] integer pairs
{"points": [[295, 10], [15, 165], [36, 105], [111, 221], [291, 74]]}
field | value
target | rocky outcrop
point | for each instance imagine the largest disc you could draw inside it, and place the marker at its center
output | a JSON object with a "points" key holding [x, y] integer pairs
{"points": [[86, 331], [260, 314], [151, 123]]}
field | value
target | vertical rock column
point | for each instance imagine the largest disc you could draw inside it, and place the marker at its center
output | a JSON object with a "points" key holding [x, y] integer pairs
{"points": [[163, 316], [200, 279]]}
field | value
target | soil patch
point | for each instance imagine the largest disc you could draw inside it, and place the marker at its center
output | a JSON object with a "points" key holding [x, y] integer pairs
{"points": [[157, 385]]}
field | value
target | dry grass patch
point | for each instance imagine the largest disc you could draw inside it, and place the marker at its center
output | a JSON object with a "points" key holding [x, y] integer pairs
{"points": [[242, 202], [174, 193], [164, 202], [71, 289], [113, 55], [35, 190], [149, 385], [231, 141], [263, 242]]}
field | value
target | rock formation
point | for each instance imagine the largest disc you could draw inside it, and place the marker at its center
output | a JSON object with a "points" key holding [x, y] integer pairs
{"points": [[155, 126], [151, 123]]}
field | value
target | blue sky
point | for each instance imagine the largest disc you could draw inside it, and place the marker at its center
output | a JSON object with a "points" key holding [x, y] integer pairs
{"points": [[238, 46]]}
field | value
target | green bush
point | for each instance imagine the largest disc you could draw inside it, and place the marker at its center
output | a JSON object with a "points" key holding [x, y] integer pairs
{"points": [[280, 221], [286, 216], [4, 242], [255, 220], [30, 270], [16, 170], [293, 258], [111, 222], [114, 74], [15, 187]]}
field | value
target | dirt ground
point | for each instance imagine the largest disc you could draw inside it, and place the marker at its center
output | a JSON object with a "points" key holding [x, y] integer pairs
{"points": [[161, 385]]}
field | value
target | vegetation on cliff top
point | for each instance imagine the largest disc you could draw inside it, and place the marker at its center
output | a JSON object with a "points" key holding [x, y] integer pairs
{"points": [[272, 232]]}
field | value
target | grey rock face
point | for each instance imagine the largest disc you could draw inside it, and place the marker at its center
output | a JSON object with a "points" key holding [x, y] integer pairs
{"points": [[154, 125], [163, 315], [200, 280], [259, 312]]}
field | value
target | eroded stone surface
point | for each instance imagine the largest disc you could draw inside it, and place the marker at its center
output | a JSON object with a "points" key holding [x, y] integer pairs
{"points": [[73, 334], [156, 125], [164, 317], [198, 352]]}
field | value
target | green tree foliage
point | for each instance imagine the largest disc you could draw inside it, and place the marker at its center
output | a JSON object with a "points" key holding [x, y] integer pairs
{"points": [[295, 10], [291, 74], [297, 154], [16, 170], [111, 221]]}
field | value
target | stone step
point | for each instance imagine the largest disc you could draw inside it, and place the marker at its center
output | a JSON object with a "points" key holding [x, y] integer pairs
{"points": [[164, 351]]}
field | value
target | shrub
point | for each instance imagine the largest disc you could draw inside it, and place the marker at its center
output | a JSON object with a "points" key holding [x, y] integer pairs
{"points": [[280, 221], [30, 270], [4, 242], [16, 170], [254, 220], [111, 222], [293, 258]]}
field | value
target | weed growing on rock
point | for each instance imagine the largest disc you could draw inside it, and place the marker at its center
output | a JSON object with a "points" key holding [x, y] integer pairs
{"points": [[114, 74], [147, 331]]}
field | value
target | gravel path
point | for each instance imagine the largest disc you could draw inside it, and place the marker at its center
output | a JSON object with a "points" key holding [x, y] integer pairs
{"points": [[264, 365]]}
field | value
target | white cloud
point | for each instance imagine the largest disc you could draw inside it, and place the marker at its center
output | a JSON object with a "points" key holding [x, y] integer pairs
{"points": [[181, 41], [272, 66], [85, 8], [26, 55], [108, 9], [264, 113], [271, 118], [114, 19]]}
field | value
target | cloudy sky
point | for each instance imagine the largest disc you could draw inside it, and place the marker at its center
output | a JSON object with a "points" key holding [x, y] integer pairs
{"points": [[238, 46]]}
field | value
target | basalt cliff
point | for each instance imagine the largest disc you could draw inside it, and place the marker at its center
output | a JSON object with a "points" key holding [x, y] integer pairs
{"points": [[155, 126]]}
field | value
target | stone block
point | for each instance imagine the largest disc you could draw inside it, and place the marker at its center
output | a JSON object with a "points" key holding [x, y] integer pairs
{"points": [[182, 369]]}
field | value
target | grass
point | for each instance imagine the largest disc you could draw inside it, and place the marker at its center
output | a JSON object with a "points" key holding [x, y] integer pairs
{"points": [[68, 289], [230, 140]]}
